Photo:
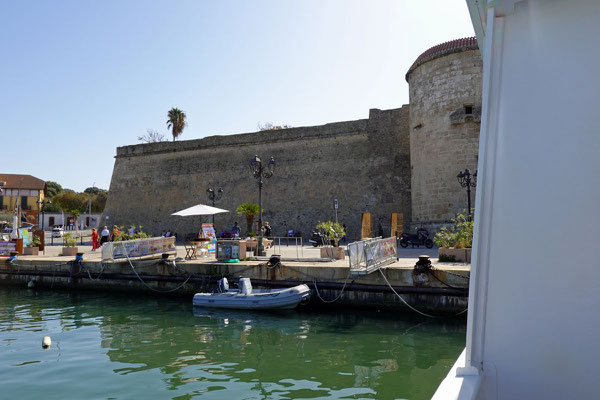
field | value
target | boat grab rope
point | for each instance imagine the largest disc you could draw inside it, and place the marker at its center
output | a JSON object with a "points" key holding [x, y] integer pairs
{"points": [[414, 309], [145, 284]]}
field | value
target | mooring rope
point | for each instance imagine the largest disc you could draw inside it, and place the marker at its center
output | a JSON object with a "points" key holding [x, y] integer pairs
{"points": [[338, 296], [414, 309], [145, 284]]}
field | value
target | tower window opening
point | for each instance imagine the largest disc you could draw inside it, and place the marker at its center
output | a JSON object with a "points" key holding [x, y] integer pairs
{"points": [[469, 110]]}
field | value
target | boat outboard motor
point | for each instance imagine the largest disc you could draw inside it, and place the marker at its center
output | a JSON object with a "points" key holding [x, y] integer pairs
{"points": [[223, 285], [245, 286]]}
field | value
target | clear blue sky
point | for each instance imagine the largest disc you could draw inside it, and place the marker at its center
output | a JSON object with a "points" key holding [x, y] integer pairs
{"points": [[80, 77]]}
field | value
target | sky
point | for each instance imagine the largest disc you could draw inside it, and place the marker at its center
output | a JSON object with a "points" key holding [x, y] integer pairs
{"points": [[79, 78]]}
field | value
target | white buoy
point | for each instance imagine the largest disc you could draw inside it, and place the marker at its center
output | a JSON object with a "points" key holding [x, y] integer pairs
{"points": [[46, 342]]}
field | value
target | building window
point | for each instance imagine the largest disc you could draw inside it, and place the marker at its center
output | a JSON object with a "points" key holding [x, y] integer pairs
{"points": [[468, 110], [51, 221], [24, 202]]}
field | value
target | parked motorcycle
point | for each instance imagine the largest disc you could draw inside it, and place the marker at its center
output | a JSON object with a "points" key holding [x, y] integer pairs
{"points": [[421, 238], [317, 238]]}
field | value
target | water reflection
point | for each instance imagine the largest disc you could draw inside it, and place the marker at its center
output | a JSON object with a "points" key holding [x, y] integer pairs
{"points": [[237, 354]]}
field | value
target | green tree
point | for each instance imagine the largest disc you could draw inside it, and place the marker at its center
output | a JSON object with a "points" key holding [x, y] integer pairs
{"points": [[92, 190], [333, 231], [249, 210], [176, 122], [53, 188], [99, 201], [68, 200]]}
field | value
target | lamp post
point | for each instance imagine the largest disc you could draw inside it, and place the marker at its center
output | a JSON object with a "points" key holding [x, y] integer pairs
{"points": [[464, 179], [41, 206], [259, 171], [214, 196]]}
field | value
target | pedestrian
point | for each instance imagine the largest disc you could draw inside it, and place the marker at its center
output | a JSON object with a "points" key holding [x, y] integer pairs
{"points": [[235, 230], [104, 236], [115, 233], [95, 243], [267, 228]]}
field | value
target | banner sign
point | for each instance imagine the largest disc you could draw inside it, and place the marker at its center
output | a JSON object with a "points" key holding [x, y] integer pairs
{"points": [[138, 247], [24, 234], [369, 255], [208, 231], [7, 247]]}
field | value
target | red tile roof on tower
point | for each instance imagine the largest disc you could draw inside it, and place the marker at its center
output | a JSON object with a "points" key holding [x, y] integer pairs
{"points": [[440, 50], [17, 181]]}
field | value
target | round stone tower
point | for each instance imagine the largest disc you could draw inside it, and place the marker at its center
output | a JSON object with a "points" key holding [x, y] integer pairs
{"points": [[444, 117]]}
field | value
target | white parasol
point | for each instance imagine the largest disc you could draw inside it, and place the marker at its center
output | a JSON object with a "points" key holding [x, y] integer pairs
{"points": [[200, 209]]}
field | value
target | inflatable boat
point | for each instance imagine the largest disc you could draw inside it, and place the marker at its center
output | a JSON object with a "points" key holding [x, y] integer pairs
{"points": [[247, 298]]}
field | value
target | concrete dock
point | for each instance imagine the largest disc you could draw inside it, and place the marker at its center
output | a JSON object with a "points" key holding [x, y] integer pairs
{"points": [[441, 291]]}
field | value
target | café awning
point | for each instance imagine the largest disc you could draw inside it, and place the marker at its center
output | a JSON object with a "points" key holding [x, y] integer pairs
{"points": [[200, 209]]}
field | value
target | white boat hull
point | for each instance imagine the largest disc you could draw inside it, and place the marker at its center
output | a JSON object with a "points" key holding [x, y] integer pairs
{"points": [[259, 299]]}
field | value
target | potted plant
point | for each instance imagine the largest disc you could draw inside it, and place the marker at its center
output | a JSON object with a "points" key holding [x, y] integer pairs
{"points": [[333, 232], [249, 210], [455, 242], [33, 248], [70, 245]]}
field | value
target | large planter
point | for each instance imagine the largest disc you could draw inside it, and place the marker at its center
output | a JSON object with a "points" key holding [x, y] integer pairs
{"points": [[337, 253], [460, 255], [31, 251], [69, 251]]}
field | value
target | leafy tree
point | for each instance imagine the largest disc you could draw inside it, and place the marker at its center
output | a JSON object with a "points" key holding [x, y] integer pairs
{"points": [[249, 210], [99, 201], [92, 190], [152, 136], [68, 200], [333, 231], [53, 188], [176, 122]]}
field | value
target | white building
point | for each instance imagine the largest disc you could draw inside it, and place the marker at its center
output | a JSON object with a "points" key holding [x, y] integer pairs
{"points": [[66, 221], [534, 303]]}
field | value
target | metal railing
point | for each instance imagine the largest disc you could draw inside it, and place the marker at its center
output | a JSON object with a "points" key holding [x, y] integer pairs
{"points": [[277, 244], [368, 255]]}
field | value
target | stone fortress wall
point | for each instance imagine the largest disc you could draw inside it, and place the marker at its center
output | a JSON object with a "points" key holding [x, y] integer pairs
{"points": [[402, 160], [364, 164], [445, 115]]}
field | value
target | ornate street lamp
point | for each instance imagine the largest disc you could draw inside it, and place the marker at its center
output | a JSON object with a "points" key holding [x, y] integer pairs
{"points": [[464, 179], [41, 206], [259, 172], [214, 196]]}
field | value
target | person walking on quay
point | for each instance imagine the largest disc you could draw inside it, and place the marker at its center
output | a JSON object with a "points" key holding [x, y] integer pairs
{"points": [[95, 243], [115, 232], [104, 236]]}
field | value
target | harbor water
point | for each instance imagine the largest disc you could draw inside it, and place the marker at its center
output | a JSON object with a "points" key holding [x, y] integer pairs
{"points": [[111, 346]]}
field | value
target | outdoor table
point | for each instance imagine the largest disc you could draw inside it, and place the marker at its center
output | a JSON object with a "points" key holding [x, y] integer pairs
{"points": [[191, 249]]}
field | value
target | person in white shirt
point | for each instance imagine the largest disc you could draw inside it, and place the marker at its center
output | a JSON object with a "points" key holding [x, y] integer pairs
{"points": [[104, 235]]}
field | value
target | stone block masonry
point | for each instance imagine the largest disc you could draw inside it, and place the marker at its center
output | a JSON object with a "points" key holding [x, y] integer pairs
{"points": [[365, 164]]}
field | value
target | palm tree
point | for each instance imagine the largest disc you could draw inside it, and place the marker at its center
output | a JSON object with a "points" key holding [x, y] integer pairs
{"points": [[249, 210], [176, 121]]}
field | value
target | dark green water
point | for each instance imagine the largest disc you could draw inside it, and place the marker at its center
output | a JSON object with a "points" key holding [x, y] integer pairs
{"points": [[107, 346]]}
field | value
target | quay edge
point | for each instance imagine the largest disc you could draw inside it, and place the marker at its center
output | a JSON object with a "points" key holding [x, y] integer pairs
{"points": [[445, 293]]}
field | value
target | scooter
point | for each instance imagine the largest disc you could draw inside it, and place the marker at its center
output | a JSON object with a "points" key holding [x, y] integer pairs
{"points": [[317, 238], [421, 238]]}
